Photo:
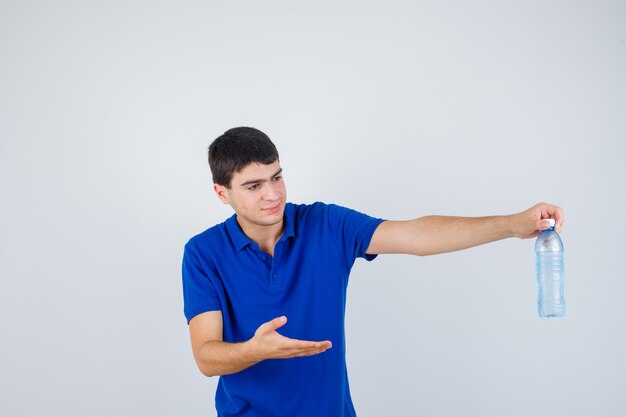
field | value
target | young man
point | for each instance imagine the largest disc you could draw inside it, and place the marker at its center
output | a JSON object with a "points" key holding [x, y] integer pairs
{"points": [[265, 291]]}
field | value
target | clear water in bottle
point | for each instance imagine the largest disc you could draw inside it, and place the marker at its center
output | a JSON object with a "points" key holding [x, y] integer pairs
{"points": [[550, 273]]}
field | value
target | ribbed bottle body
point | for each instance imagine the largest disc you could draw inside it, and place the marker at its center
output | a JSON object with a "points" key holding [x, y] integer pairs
{"points": [[550, 273], [551, 284]]}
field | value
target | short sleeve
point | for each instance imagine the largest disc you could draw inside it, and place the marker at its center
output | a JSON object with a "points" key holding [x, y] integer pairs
{"points": [[199, 293], [352, 231]]}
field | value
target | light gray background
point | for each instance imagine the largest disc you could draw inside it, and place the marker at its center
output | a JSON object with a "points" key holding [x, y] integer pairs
{"points": [[397, 109]]}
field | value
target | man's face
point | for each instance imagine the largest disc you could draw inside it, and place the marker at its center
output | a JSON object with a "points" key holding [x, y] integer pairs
{"points": [[257, 194]]}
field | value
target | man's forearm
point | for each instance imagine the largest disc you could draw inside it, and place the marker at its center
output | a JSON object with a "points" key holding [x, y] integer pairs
{"points": [[431, 235], [223, 358]]}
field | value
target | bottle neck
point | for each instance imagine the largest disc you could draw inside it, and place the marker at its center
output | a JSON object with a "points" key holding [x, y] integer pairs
{"points": [[550, 229]]}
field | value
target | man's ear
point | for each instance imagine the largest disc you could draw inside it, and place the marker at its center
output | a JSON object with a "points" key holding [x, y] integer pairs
{"points": [[222, 193]]}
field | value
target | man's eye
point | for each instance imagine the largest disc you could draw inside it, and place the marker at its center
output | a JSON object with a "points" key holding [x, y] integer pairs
{"points": [[277, 178], [253, 187]]}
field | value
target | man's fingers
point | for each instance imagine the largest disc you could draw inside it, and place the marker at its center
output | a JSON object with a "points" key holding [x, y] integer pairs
{"points": [[306, 344], [291, 348], [549, 211], [560, 219], [542, 225], [293, 353], [289, 343]]}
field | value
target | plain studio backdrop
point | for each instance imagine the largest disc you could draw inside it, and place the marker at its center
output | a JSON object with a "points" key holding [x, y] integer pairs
{"points": [[396, 109]]}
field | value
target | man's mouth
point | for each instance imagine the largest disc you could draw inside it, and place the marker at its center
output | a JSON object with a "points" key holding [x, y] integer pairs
{"points": [[273, 208]]}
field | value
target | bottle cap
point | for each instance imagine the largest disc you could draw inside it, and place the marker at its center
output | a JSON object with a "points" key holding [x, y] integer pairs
{"points": [[552, 222]]}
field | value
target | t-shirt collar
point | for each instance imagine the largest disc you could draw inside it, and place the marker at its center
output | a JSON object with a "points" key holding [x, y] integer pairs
{"points": [[240, 239]]}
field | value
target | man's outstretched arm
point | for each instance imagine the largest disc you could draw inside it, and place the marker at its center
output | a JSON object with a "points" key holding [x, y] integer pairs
{"points": [[431, 235]]}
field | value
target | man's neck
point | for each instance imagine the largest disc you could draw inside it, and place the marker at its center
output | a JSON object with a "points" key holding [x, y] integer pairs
{"points": [[265, 236]]}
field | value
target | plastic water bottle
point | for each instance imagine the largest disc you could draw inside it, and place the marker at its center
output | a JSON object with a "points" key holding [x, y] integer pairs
{"points": [[550, 273]]}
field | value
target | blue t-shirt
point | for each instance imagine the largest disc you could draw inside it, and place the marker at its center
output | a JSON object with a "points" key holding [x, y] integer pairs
{"points": [[306, 281]]}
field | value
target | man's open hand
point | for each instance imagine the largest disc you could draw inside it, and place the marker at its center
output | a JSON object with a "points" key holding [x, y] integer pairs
{"points": [[268, 344]]}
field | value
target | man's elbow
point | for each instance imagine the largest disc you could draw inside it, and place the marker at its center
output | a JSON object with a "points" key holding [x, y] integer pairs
{"points": [[206, 370], [205, 366]]}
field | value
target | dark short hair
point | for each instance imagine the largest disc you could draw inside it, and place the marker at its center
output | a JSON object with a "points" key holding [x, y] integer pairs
{"points": [[237, 148]]}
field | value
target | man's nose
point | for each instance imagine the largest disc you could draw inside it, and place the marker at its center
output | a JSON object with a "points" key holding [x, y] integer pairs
{"points": [[270, 191]]}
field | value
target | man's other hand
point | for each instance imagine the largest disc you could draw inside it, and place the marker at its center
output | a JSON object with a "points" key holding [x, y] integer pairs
{"points": [[267, 343]]}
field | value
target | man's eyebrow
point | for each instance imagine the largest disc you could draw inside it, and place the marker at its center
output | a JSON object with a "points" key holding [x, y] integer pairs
{"points": [[260, 180]]}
